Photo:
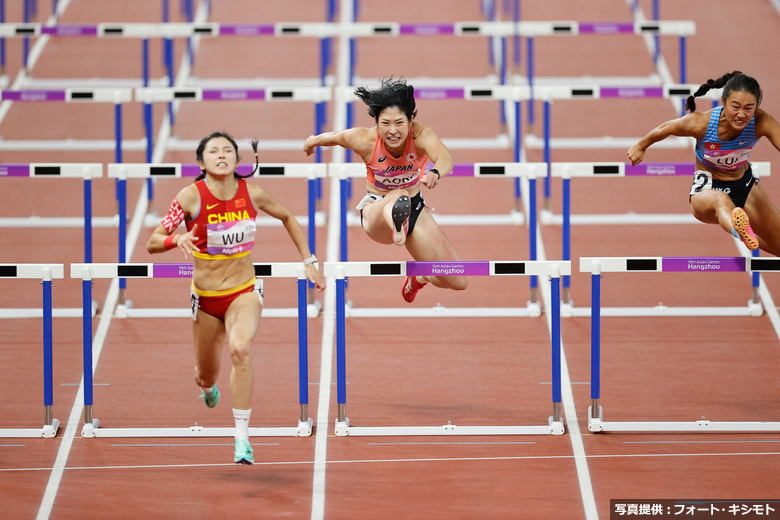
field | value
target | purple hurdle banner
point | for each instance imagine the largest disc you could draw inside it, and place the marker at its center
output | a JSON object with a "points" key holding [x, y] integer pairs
{"points": [[606, 28], [246, 30]]}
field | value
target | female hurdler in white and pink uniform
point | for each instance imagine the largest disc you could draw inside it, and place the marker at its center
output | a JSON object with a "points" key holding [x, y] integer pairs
{"points": [[395, 152], [724, 190]]}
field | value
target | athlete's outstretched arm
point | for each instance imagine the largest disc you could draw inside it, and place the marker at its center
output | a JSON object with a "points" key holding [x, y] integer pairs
{"points": [[352, 139], [768, 127], [689, 125]]}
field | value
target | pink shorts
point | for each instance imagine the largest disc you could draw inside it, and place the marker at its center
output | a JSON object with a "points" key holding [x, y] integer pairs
{"points": [[217, 306]]}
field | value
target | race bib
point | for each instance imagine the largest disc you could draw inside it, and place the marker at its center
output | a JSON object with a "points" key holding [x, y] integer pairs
{"points": [[230, 238]]}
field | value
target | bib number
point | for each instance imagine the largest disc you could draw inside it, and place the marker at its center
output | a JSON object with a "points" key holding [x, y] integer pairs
{"points": [[702, 180]]}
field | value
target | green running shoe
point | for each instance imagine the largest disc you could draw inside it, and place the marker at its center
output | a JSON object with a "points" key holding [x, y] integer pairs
{"points": [[243, 453], [211, 399]]}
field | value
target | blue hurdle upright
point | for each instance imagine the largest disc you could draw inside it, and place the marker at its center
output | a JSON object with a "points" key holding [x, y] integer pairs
{"points": [[88, 272], [553, 269], [44, 272], [597, 266]]}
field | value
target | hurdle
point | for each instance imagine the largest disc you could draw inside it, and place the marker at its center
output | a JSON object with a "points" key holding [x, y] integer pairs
{"points": [[88, 272], [46, 273], [532, 30], [566, 171], [597, 266], [590, 91], [342, 172], [553, 269], [311, 172], [86, 171], [117, 96]]}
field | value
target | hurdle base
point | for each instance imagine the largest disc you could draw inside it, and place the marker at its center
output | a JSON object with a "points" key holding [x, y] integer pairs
{"points": [[313, 309], [756, 308], [556, 427], [663, 310], [305, 427], [89, 430], [546, 216], [92, 431], [342, 427], [49, 431], [123, 309], [343, 430], [567, 308], [595, 424], [701, 426], [534, 309]]}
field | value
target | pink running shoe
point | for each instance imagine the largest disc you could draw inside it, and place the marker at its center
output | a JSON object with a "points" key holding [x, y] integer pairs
{"points": [[402, 208], [741, 228], [410, 288]]}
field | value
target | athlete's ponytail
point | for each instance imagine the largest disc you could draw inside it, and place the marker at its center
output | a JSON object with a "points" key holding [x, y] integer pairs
{"points": [[733, 81], [253, 143]]}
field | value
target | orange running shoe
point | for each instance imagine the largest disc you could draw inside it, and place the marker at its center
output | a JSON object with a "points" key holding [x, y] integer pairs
{"points": [[402, 208], [741, 228], [410, 288]]}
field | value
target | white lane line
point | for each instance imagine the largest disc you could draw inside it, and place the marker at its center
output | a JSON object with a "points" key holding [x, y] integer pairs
{"points": [[570, 412], [329, 307], [410, 461]]}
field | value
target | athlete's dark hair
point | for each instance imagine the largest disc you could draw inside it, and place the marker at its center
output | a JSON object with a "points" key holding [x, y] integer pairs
{"points": [[213, 135], [730, 82], [391, 93]]}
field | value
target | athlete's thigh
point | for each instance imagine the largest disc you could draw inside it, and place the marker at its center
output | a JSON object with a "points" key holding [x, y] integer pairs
{"points": [[242, 319], [763, 214], [704, 205], [428, 242], [208, 334]]}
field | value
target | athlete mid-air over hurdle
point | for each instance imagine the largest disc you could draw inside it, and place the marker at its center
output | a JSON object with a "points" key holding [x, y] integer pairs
{"points": [[724, 190]]}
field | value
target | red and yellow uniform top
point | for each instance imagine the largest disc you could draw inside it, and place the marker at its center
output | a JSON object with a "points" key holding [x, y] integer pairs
{"points": [[226, 228], [391, 173]]}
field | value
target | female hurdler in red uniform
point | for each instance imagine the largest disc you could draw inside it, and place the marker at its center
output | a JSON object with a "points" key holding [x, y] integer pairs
{"points": [[219, 211], [395, 152]]}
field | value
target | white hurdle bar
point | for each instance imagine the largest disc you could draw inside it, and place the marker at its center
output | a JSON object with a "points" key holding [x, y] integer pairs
{"points": [[88, 272], [45, 273], [86, 171], [553, 269], [597, 266], [566, 171]]}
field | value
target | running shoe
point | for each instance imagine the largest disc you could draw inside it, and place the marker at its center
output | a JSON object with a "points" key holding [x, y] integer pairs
{"points": [[741, 228], [402, 208], [211, 399], [410, 288], [243, 452]]}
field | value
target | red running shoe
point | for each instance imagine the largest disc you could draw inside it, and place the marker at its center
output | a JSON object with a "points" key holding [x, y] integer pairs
{"points": [[402, 208], [741, 228], [410, 288]]}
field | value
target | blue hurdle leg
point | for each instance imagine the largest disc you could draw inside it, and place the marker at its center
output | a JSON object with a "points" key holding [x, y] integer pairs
{"points": [[303, 351], [555, 304], [341, 363], [86, 284], [48, 373]]}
